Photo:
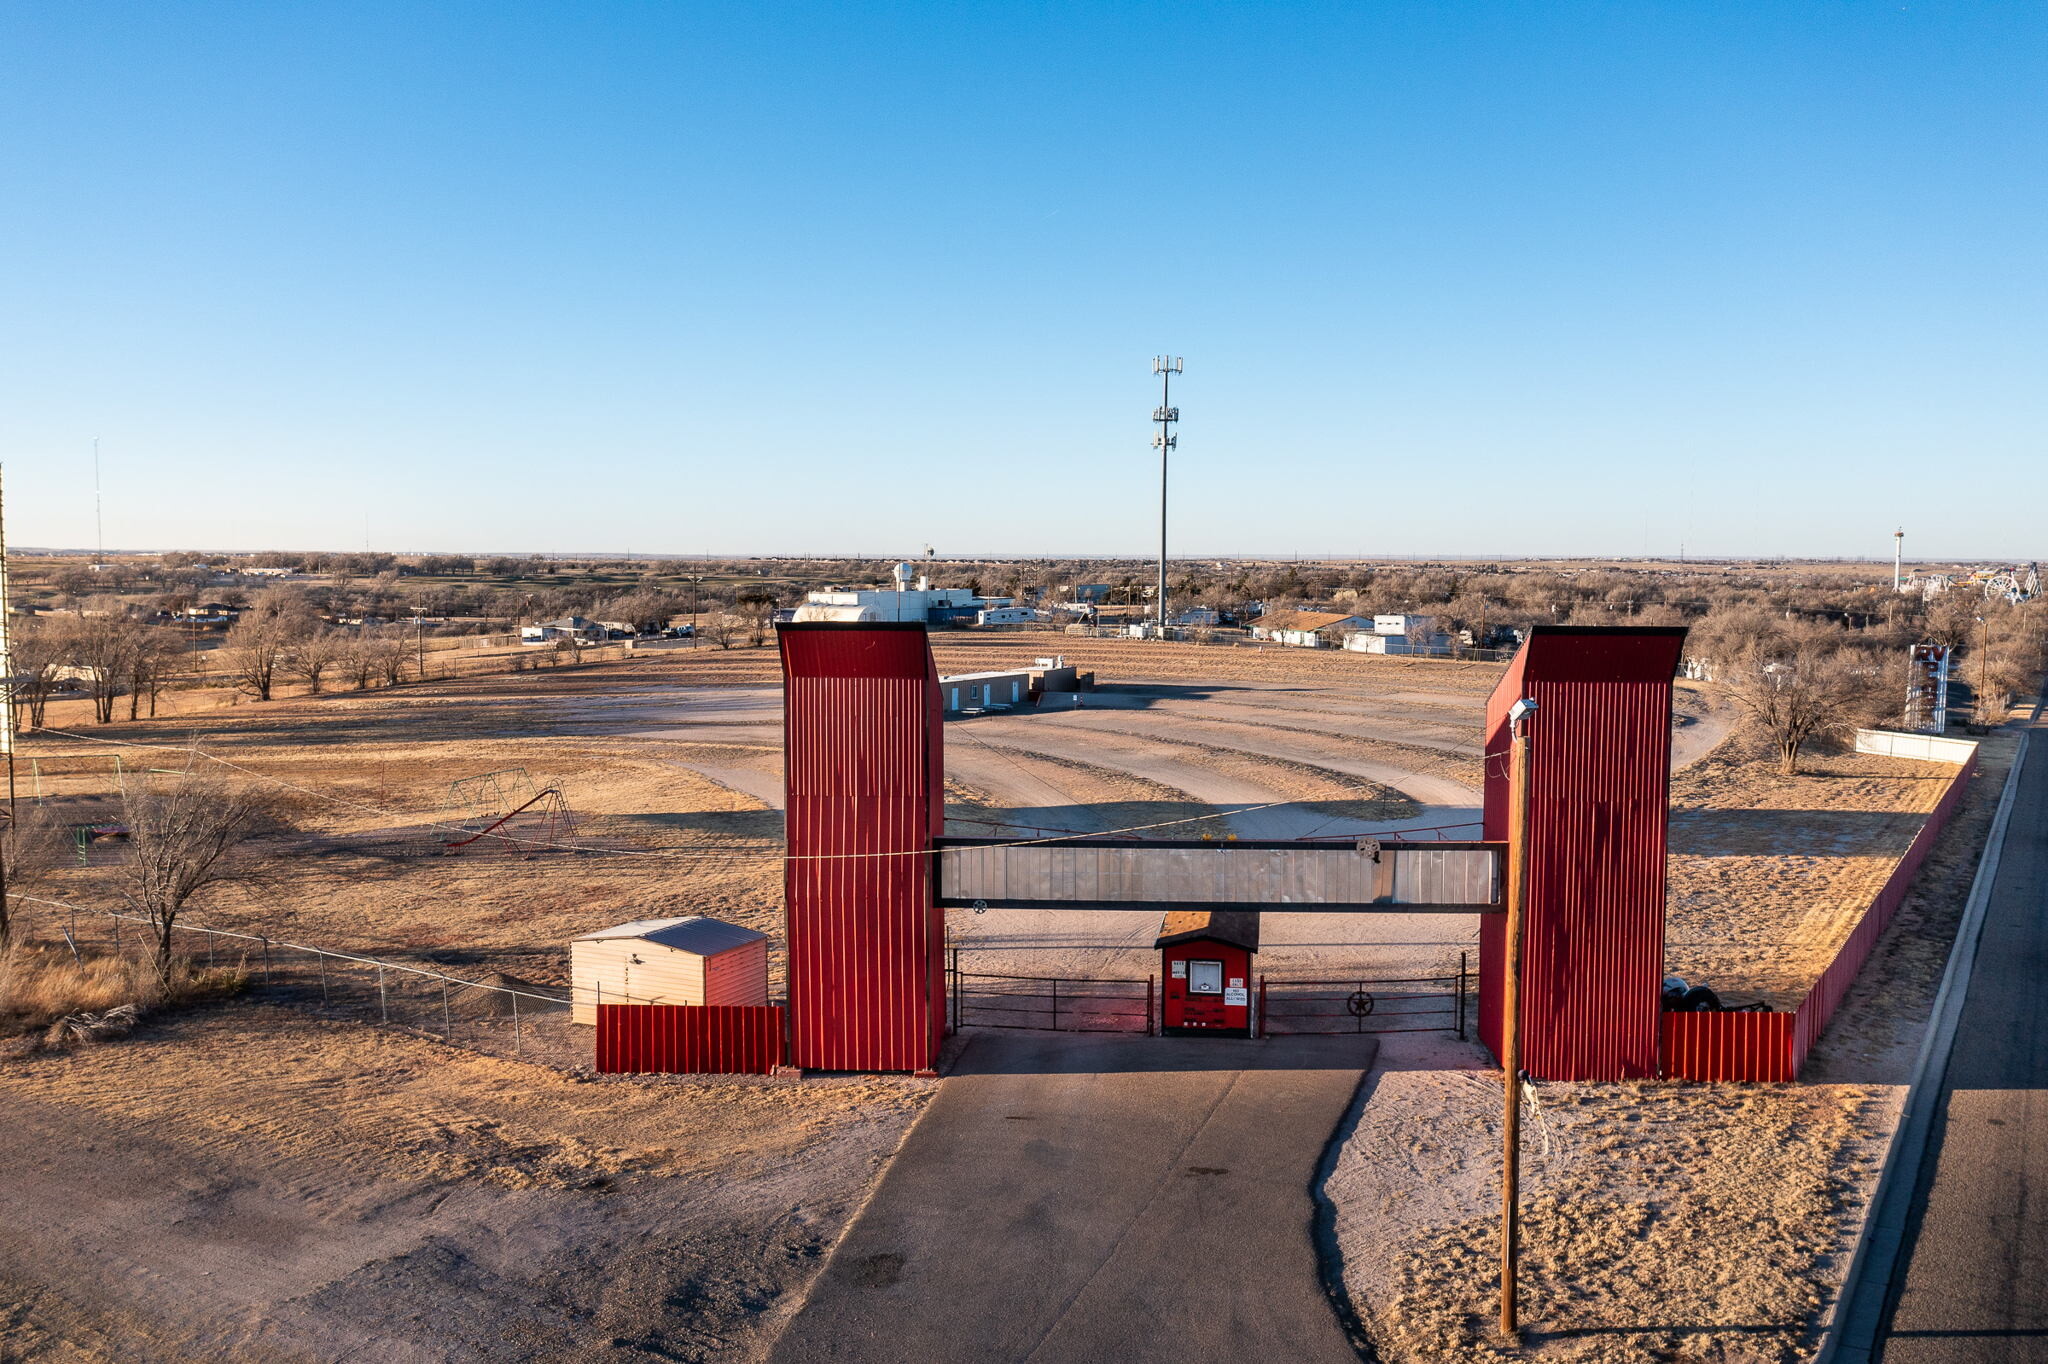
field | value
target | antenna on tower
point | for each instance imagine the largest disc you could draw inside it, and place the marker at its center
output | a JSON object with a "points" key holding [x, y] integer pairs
{"points": [[1166, 414], [1898, 559], [99, 526]]}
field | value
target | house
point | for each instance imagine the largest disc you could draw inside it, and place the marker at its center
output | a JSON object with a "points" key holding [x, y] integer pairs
{"points": [[1095, 593], [207, 613], [1308, 629], [1199, 617], [568, 627]]}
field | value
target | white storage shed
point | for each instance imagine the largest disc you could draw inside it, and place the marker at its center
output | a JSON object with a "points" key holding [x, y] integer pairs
{"points": [[691, 960]]}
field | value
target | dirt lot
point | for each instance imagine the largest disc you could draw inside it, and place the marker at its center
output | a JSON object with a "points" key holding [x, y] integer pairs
{"points": [[1675, 1221], [409, 1172], [248, 1183]]}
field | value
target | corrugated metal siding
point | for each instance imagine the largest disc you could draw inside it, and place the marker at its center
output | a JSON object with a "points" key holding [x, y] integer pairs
{"points": [[1730, 1046], [738, 977], [1593, 951], [864, 770], [668, 1039]]}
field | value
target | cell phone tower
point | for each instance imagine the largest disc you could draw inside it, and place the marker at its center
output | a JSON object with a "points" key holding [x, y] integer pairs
{"points": [[1166, 415]]}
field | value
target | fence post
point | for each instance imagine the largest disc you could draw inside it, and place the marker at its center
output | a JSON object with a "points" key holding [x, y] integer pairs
{"points": [[266, 961], [517, 1049], [1461, 996], [209, 949], [1150, 981], [321, 958], [383, 1006], [1055, 1003], [447, 1029], [1262, 1006]]}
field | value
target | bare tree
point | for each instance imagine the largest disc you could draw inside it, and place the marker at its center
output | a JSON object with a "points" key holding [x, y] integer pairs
{"points": [[1801, 691], [154, 654], [313, 657], [263, 639], [30, 848], [38, 647], [100, 644], [721, 628], [185, 834]]}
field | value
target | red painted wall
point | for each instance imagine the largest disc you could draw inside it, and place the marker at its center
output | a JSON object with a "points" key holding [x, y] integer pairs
{"points": [[1744, 1046], [864, 770], [1593, 949], [688, 1039]]}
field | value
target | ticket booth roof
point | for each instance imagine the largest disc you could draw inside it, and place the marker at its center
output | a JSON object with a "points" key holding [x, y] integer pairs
{"points": [[1233, 927]]}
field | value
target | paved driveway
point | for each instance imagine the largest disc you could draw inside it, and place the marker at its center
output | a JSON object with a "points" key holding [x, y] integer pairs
{"points": [[1085, 1197]]}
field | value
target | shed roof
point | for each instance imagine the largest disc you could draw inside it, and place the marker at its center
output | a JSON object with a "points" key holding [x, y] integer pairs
{"points": [[693, 933], [1237, 927], [1305, 620]]}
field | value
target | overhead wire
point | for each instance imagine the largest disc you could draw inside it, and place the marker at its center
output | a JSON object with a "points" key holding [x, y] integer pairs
{"points": [[708, 852]]}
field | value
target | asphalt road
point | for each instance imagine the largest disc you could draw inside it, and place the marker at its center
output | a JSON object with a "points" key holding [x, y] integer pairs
{"points": [[1072, 1197], [1973, 1282]]}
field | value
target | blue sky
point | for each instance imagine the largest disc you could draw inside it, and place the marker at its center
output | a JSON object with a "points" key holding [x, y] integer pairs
{"points": [[1460, 279]]}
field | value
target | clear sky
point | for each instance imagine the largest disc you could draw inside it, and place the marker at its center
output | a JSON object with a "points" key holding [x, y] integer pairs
{"points": [[1462, 278]]}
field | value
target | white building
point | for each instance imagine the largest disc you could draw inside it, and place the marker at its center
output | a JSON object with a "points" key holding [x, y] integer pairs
{"points": [[587, 631], [1308, 629], [904, 601], [1006, 615]]}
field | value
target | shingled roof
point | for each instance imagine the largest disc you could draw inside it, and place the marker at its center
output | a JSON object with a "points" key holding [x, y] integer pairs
{"points": [[1237, 927]]}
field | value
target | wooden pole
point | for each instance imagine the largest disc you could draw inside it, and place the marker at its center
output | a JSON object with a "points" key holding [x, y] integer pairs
{"points": [[1511, 1029]]}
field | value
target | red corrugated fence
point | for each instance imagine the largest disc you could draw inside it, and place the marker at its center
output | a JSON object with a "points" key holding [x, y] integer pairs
{"points": [[689, 1039], [1748, 1046]]}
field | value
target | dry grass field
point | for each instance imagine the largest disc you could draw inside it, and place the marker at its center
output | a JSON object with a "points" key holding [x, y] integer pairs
{"points": [[441, 1203]]}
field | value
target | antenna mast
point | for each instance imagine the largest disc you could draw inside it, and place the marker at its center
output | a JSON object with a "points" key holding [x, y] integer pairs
{"points": [[1898, 558], [99, 525], [1164, 441]]}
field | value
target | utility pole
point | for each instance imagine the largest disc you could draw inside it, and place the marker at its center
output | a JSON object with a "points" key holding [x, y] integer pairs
{"points": [[1164, 441], [1511, 1017], [6, 670], [420, 622], [1898, 558], [1983, 664]]}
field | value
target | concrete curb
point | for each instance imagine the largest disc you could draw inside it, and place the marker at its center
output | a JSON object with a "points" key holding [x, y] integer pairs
{"points": [[1859, 1310]]}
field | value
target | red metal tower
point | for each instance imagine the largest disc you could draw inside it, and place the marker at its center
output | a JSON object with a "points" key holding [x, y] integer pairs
{"points": [[865, 774], [1593, 946]]}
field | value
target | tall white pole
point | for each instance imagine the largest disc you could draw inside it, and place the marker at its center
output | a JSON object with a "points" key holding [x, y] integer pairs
{"points": [[1898, 558], [6, 643], [1165, 367]]}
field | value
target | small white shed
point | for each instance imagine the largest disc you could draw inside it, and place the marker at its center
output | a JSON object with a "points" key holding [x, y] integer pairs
{"points": [[691, 960]]}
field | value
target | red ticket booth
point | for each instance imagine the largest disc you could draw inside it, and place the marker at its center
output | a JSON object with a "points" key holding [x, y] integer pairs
{"points": [[1206, 961]]}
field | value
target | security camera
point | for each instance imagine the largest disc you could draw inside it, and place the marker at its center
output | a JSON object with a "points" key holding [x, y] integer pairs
{"points": [[1521, 710]]}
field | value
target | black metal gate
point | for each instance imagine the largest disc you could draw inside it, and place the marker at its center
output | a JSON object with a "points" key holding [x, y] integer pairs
{"points": [[1054, 1003], [1365, 1004]]}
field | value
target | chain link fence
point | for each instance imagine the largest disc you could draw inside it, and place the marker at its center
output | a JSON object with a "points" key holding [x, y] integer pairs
{"points": [[497, 1016]]}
